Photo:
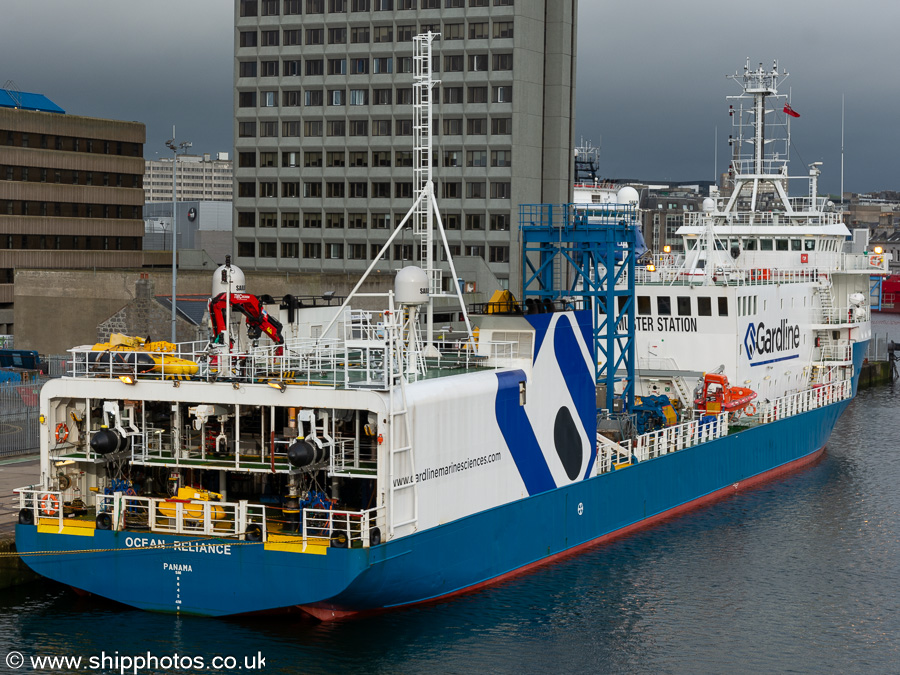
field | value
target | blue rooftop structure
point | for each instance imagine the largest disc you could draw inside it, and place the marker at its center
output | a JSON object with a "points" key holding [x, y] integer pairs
{"points": [[9, 98]]}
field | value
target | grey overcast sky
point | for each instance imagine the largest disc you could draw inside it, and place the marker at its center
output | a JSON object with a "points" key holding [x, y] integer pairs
{"points": [[651, 81]]}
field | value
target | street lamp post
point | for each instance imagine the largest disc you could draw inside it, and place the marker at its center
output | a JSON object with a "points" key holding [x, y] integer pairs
{"points": [[174, 146]]}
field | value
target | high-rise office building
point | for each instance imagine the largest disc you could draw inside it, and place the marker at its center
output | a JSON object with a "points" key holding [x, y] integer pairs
{"points": [[200, 178], [323, 105], [71, 192]]}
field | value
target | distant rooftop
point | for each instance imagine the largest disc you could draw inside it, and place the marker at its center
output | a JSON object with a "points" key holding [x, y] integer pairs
{"points": [[10, 98]]}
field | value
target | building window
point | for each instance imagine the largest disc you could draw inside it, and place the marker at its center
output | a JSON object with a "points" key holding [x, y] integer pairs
{"points": [[291, 7], [247, 69], [476, 126], [359, 66], [268, 189], [403, 252], [500, 190], [359, 35], [477, 94], [337, 128], [312, 97], [381, 221], [334, 251], [381, 96], [315, 6], [290, 129], [315, 67], [383, 5], [453, 31], [312, 128], [248, 38], [359, 190], [246, 249], [268, 68], [290, 249], [268, 129], [403, 190], [312, 220], [478, 30], [359, 158], [312, 251], [337, 97], [404, 96], [503, 29], [405, 33], [381, 127], [451, 190], [501, 126], [268, 99], [291, 37], [311, 159], [290, 219], [382, 34], [499, 254], [337, 6], [334, 221], [290, 189], [269, 38], [334, 190], [356, 252], [500, 222], [249, 8], [315, 36], [476, 158], [452, 158], [453, 63], [268, 159], [475, 251], [475, 189], [453, 94], [360, 96], [402, 158], [247, 218], [359, 127], [382, 65], [404, 128], [269, 7], [268, 219], [404, 64], [502, 94], [312, 189], [452, 127], [246, 189], [381, 189], [502, 62], [381, 158]]}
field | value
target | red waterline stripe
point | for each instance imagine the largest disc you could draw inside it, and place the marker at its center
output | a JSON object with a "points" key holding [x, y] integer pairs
{"points": [[323, 614]]}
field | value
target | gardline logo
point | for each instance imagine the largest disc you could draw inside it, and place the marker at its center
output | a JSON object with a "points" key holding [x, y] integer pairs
{"points": [[760, 340]]}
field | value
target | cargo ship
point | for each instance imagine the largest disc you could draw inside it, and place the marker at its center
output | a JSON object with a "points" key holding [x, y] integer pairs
{"points": [[326, 457]]}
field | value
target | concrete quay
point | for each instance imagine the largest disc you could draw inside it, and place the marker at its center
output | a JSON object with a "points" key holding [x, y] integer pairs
{"points": [[14, 473]]}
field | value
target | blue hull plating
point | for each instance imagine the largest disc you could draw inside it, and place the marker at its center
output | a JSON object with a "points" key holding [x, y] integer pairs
{"points": [[429, 564]]}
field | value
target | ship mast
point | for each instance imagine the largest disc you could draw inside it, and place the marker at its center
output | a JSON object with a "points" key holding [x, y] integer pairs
{"points": [[766, 162]]}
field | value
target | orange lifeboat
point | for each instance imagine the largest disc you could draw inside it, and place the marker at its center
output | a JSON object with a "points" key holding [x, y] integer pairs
{"points": [[718, 396]]}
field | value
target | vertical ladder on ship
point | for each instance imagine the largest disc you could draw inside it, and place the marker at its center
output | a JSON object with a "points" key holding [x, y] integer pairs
{"points": [[399, 449], [825, 343]]}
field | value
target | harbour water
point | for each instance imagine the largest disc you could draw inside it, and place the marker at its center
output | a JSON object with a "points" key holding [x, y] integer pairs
{"points": [[800, 575]]}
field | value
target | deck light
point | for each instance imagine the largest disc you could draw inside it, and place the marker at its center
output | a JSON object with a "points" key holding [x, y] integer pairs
{"points": [[127, 379], [878, 250], [651, 267], [667, 249], [277, 385]]}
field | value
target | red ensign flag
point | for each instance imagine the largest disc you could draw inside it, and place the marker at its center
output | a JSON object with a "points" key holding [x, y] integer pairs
{"points": [[790, 111]]}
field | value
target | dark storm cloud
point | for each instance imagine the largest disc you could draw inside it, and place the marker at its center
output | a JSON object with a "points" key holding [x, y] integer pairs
{"points": [[651, 82], [651, 75], [159, 62]]}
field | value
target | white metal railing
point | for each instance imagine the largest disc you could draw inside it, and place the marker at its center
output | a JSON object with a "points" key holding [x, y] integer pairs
{"points": [[343, 527], [698, 219], [841, 351], [726, 276], [848, 314], [804, 401], [869, 262], [43, 504], [195, 517], [670, 439]]}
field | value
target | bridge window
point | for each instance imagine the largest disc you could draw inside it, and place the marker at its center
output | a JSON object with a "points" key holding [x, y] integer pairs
{"points": [[809, 244], [684, 305], [704, 306], [664, 306], [781, 244], [765, 245], [723, 306], [643, 305], [750, 244], [795, 245]]}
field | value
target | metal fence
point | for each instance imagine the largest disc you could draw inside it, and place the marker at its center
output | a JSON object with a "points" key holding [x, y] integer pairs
{"points": [[878, 346], [19, 412]]}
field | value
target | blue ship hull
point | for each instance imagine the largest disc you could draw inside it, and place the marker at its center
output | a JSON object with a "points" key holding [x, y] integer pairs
{"points": [[229, 577]]}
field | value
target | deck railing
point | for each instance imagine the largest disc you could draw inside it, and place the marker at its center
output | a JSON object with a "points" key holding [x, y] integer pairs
{"points": [[343, 529]]}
